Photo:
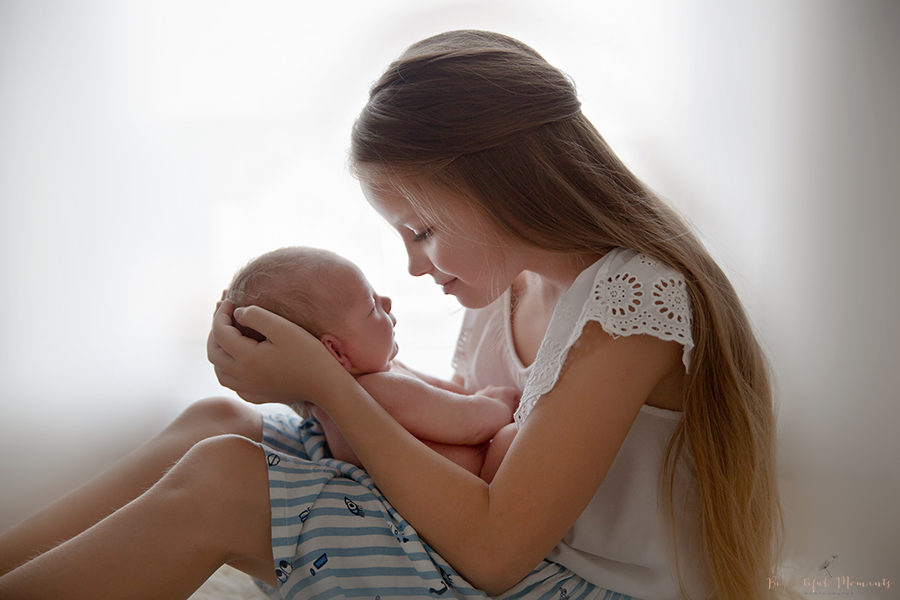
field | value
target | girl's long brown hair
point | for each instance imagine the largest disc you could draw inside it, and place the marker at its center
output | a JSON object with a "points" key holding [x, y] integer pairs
{"points": [[485, 117]]}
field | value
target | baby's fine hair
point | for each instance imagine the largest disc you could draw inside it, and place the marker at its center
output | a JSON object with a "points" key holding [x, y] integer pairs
{"points": [[291, 282]]}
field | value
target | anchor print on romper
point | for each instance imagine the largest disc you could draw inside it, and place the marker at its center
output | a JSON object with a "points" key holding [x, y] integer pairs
{"points": [[354, 508], [285, 570], [446, 581]]}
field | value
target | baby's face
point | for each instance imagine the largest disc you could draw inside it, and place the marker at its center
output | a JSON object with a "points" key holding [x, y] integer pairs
{"points": [[364, 325]]}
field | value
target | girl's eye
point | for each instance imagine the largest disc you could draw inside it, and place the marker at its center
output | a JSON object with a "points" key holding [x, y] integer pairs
{"points": [[424, 235]]}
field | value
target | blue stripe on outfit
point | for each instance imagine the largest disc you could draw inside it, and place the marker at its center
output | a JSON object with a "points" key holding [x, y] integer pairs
{"points": [[334, 535]]}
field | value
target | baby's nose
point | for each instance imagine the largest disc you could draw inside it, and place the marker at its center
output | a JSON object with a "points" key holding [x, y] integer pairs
{"points": [[386, 304]]}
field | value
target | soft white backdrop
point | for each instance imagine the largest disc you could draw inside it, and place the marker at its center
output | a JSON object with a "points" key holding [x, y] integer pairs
{"points": [[147, 149]]}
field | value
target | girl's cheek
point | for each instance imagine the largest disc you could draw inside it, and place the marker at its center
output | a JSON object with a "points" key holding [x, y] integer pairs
{"points": [[437, 254]]}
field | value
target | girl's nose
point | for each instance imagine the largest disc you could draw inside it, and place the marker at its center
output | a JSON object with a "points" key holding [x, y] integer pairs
{"points": [[418, 263]]}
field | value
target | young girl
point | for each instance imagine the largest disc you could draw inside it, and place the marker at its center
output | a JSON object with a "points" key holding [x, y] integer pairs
{"points": [[644, 460]]}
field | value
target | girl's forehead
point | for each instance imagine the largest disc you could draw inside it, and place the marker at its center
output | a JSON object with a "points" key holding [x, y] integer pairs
{"points": [[409, 202], [389, 203]]}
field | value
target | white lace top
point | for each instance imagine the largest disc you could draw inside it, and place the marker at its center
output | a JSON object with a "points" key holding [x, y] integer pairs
{"points": [[622, 541], [628, 294]]}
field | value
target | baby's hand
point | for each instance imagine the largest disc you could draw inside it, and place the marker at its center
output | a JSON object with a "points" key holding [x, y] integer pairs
{"points": [[508, 395]]}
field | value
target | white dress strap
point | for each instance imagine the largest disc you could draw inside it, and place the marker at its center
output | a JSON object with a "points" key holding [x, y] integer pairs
{"points": [[627, 294]]}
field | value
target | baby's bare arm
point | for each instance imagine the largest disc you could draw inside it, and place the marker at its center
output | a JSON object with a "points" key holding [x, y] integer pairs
{"points": [[471, 458], [435, 414], [450, 386]]}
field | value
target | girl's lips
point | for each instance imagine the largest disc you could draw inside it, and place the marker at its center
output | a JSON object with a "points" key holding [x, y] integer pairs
{"points": [[448, 286]]}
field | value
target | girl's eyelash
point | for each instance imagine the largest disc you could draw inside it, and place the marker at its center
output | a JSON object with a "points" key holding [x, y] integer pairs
{"points": [[421, 237]]}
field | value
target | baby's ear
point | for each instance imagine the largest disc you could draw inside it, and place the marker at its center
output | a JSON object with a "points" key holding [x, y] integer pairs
{"points": [[335, 347]]}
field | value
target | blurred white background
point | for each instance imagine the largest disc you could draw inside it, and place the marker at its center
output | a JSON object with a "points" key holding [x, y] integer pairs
{"points": [[148, 149]]}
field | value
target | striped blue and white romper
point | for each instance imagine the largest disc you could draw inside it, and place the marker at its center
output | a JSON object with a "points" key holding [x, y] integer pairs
{"points": [[334, 535]]}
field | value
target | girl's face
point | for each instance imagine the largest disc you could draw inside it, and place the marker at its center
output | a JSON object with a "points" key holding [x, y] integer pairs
{"points": [[469, 260]]}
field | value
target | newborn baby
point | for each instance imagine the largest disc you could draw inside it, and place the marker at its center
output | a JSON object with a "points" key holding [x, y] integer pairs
{"points": [[330, 297]]}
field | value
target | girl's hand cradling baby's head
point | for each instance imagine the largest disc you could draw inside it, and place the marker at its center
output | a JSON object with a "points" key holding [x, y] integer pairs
{"points": [[287, 367]]}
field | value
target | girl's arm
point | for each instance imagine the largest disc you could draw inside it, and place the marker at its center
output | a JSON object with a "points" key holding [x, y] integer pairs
{"points": [[439, 415], [493, 534]]}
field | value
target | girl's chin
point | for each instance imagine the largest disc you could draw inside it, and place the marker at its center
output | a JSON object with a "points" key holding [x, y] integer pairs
{"points": [[475, 301]]}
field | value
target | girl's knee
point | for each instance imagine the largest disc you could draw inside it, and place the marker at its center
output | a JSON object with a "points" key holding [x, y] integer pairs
{"points": [[220, 489], [218, 416], [222, 466], [233, 468], [225, 450]]}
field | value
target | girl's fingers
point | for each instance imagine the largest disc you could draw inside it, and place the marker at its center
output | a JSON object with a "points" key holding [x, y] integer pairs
{"points": [[225, 306], [226, 335], [267, 323], [227, 368], [221, 319], [223, 313], [220, 301], [216, 354]]}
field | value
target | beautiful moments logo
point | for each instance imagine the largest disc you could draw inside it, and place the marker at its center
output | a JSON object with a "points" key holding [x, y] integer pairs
{"points": [[826, 584]]}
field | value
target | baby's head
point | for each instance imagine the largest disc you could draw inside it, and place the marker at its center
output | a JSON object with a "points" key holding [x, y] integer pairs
{"points": [[328, 296]]}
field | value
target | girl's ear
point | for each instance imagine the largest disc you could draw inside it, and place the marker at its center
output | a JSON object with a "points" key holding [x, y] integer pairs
{"points": [[335, 347]]}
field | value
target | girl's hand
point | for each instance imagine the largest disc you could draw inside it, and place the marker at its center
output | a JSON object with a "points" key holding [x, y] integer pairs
{"points": [[290, 366]]}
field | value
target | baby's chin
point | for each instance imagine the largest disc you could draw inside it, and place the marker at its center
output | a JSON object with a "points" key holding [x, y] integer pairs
{"points": [[389, 361]]}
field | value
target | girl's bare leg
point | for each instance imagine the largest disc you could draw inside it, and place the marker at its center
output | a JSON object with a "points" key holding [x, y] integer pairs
{"points": [[211, 508], [127, 479]]}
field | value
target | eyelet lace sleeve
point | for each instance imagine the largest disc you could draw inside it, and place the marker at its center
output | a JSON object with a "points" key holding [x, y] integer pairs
{"points": [[627, 294]]}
